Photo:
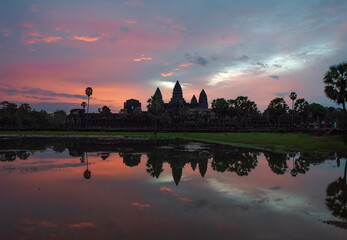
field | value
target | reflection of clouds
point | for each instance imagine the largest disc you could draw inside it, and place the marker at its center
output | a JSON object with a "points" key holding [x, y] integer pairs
{"points": [[28, 225], [140, 205], [41, 168], [275, 200], [176, 195], [166, 178], [82, 225]]}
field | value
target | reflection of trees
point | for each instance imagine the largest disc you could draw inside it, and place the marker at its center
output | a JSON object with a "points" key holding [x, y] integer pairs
{"points": [[105, 155], [239, 161], [155, 162], [300, 166], [10, 156], [23, 155], [87, 174], [336, 199], [277, 162], [131, 160]]}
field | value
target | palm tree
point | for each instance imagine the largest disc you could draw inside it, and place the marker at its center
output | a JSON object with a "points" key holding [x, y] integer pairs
{"points": [[83, 104], [87, 173], [335, 81], [336, 199], [89, 92], [293, 96]]}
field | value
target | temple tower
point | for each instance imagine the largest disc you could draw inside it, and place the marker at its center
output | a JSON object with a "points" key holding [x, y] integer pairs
{"points": [[203, 99], [158, 93], [177, 94]]}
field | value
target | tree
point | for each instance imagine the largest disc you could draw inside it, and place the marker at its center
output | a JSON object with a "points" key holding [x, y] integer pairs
{"points": [[89, 92], [335, 81], [301, 106], [336, 199], [277, 162], [317, 111], [137, 113], [242, 108], [293, 96], [276, 108], [59, 117], [104, 110], [220, 107], [155, 107], [83, 104]]}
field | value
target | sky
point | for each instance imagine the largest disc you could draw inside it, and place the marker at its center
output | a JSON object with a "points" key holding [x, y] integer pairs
{"points": [[50, 51]]}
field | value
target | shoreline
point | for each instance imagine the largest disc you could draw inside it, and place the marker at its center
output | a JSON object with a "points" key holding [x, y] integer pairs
{"points": [[286, 142]]}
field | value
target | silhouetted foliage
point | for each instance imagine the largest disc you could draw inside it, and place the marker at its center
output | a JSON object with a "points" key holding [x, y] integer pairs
{"points": [[335, 81], [276, 108], [277, 162], [336, 199], [243, 109]]}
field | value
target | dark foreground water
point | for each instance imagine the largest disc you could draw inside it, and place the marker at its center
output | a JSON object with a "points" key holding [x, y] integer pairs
{"points": [[98, 189]]}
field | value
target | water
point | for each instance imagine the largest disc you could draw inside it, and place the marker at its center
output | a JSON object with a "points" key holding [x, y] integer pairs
{"points": [[102, 189]]}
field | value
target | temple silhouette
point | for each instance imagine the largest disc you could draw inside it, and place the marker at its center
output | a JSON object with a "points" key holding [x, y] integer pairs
{"points": [[180, 114], [177, 115]]}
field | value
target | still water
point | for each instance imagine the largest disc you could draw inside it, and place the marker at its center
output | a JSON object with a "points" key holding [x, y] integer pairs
{"points": [[83, 188]]}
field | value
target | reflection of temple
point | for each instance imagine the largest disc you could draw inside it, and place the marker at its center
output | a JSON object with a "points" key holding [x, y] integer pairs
{"points": [[131, 160]]}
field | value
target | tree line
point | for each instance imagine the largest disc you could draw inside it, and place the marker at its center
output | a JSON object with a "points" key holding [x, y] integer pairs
{"points": [[23, 116]]}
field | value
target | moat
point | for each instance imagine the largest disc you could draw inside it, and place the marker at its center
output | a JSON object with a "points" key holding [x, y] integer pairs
{"points": [[85, 188]]}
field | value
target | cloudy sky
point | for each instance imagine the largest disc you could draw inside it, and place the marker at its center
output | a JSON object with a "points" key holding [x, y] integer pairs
{"points": [[50, 51]]}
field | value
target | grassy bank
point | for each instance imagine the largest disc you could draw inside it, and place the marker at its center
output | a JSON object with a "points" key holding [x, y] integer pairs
{"points": [[276, 141]]}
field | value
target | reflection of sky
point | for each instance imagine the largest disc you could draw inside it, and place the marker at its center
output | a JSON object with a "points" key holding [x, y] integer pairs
{"points": [[52, 50], [126, 203]]}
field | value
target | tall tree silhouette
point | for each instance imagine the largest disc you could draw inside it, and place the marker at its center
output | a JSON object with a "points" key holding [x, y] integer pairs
{"points": [[276, 108], [83, 104], [336, 199], [89, 92], [155, 107], [335, 80], [293, 96], [277, 162]]}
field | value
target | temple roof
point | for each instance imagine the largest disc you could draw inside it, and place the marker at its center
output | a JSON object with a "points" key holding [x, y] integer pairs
{"points": [[194, 101], [203, 99], [158, 93], [177, 91]]}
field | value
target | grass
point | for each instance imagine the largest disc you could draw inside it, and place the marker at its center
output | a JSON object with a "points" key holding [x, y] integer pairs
{"points": [[274, 141]]}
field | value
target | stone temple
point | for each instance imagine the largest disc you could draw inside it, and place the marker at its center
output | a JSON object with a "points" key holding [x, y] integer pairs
{"points": [[177, 101]]}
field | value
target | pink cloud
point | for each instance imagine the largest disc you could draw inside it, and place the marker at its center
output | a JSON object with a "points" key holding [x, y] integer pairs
{"points": [[167, 74], [34, 34], [28, 25], [131, 21], [50, 39], [82, 225], [6, 32], [142, 58], [179, 68], [47, 224], [140, 205], [85, 38], [40, 38], [32, 41]]}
